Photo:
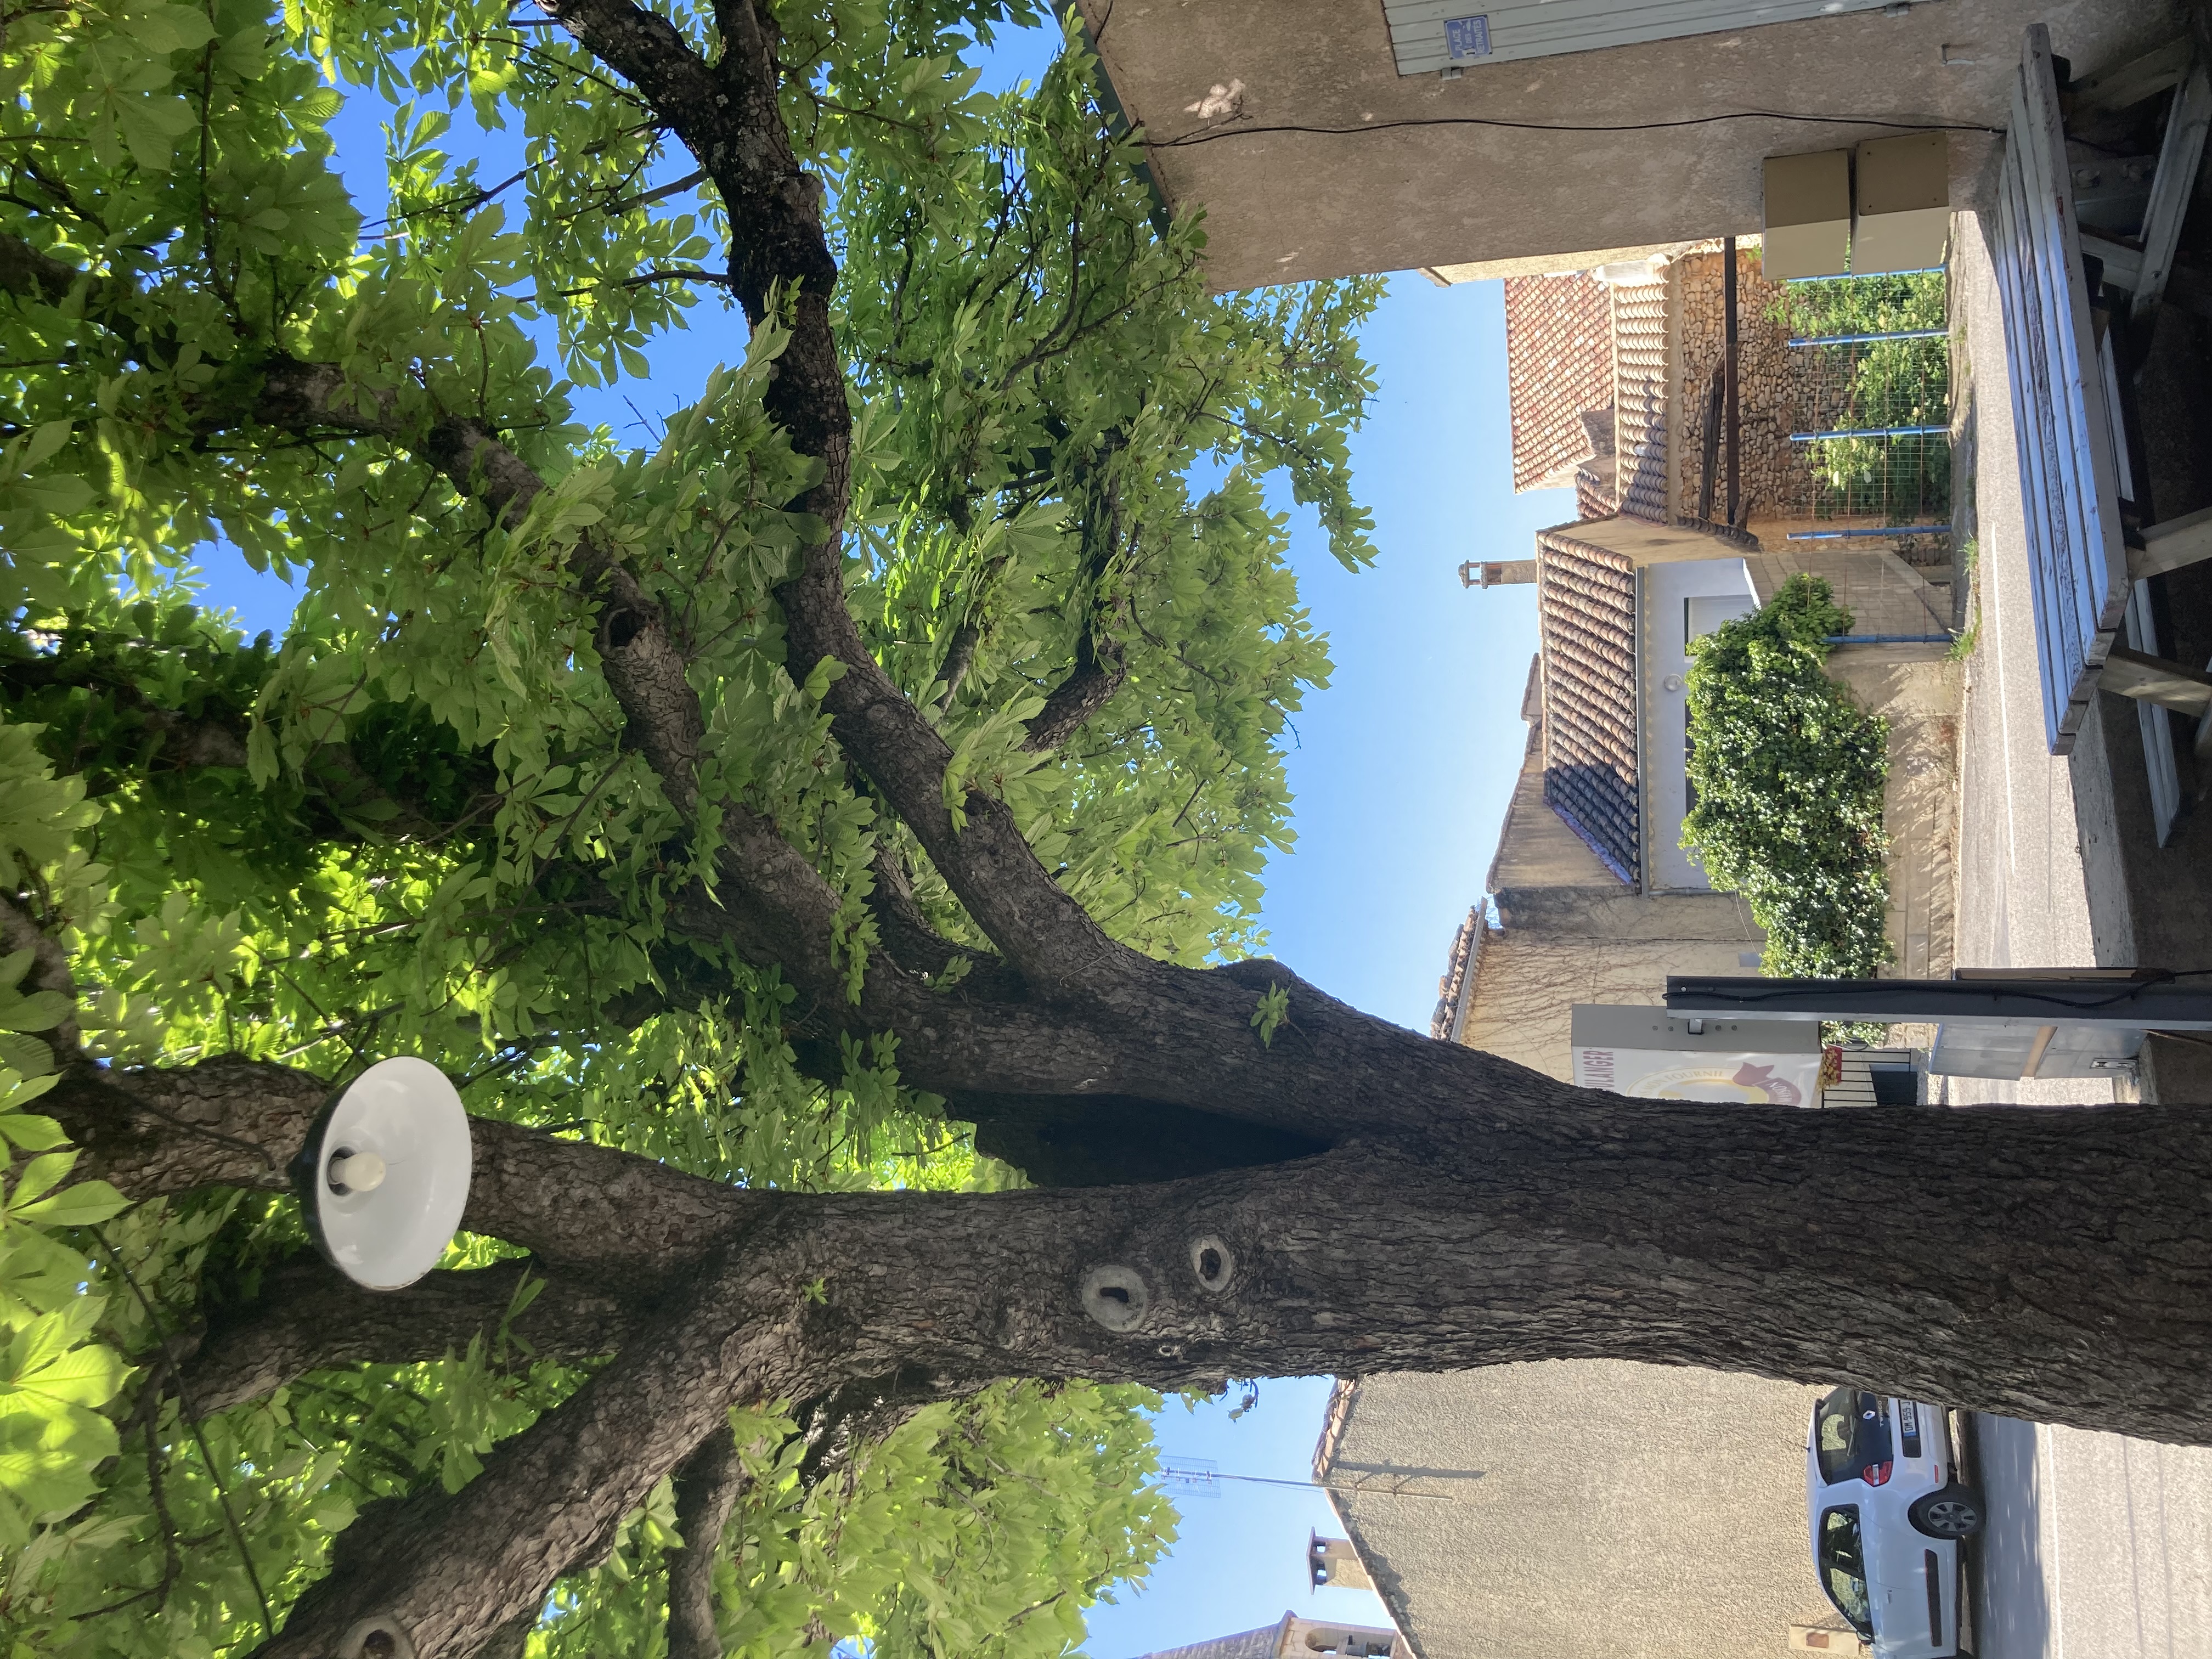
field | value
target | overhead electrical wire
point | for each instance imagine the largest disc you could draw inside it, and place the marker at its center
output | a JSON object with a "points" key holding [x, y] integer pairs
{"points": [[1205, 136], [2121, 991]]}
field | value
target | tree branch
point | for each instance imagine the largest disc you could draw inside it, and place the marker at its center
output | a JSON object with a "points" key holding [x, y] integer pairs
{"points": [[708, 1483], [590, 1211], [216, 738], [1637, 1229], [959, 658], [729, 116], [1090, 684], [775, 907], [309, 1317]]}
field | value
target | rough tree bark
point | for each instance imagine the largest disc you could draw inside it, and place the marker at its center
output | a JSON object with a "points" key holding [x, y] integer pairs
{"points": [[309, 1317], [1346, 1197], [2044, 1264], [707, 1486]]}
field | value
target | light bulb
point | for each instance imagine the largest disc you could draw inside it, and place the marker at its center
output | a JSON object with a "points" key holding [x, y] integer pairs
{"points": [[356, 1172], [383, 1176]]}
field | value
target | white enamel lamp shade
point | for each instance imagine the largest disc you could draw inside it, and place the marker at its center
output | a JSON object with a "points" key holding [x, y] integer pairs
{"points": [[385, 1174]]}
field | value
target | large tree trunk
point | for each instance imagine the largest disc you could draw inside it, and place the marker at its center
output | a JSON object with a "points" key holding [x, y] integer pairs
{"points": [[1351, 1198], [2045, 1264]]}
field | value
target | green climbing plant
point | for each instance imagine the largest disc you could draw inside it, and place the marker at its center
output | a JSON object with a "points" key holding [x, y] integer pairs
{"points": [[1884, 383], [1788, 771]]}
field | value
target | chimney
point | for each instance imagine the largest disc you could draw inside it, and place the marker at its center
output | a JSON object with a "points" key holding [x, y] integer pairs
{"points": [[1492, 573], [1333, 1563]]}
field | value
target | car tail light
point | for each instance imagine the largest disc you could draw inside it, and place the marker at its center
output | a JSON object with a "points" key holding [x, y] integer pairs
{"points": [[1874, 1473]]}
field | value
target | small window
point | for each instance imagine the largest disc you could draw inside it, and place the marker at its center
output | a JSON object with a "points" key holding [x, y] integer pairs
{"points": [[1850, 1433], [1834, 1420], [1702, 615], [1842, 1561]]}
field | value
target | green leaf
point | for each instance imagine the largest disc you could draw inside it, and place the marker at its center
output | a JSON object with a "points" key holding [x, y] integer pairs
{"points": [[40, 1176], [151, 126], [29, 1133], [80, 1206]]}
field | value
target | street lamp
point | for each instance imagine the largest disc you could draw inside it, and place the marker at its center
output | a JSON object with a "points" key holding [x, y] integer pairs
{"points": [[385, 1173]]}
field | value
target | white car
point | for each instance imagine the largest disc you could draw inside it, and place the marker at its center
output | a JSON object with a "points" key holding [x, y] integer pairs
{"points": [[1889, 1513]]}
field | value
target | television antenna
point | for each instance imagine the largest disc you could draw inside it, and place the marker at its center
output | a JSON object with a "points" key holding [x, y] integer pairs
{"points": [[1201, 1477]]}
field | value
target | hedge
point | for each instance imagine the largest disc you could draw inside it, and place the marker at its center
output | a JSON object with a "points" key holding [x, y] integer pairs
{"points": [[1787, 773]]}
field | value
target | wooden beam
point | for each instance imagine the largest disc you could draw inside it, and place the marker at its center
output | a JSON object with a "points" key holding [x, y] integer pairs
{"points": [[2154, 679], [2131, 83], [2172, 544], [2179, 153], [2123, 264], [1728, 363], [2185, 286], [2034, 1062]]}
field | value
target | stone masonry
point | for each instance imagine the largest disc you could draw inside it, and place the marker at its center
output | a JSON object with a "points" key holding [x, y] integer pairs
{"points": [[1776, 480]]}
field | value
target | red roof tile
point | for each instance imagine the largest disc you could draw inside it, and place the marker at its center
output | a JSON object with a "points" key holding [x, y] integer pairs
{"points": [[1586, 614], [1559, 363]]}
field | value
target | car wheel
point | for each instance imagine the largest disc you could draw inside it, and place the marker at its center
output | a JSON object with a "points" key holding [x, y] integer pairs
{"points": [[1953, 1512]]}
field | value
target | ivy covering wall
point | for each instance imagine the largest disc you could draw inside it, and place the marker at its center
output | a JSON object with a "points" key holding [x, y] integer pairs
{"points": [[1788, 771]]}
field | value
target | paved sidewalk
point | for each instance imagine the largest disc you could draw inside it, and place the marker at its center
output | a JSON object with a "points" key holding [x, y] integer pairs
{"points": [[2039, 874], [2099, 1547]]}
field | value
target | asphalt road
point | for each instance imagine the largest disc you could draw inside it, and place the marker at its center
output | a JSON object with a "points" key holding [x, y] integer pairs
{"points": [[2096, 1547]]}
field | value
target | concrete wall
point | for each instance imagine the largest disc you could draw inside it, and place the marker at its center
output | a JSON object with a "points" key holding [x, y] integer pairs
{"points": [[1573, 932], [1884, 594], [1592, 1510], [1652, 543], [1919, 691], [1287, 121]]}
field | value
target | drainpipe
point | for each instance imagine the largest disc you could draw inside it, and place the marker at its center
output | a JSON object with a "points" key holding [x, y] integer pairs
{"points": [[1728, 308]]}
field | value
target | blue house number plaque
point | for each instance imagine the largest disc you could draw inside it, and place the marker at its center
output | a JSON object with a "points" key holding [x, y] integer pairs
{"points": [[1468, 37]]}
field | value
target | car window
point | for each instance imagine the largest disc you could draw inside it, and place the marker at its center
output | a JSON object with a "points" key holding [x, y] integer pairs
{"points": [[1833, 1420], [1850, 1429], [1842, 1563]]}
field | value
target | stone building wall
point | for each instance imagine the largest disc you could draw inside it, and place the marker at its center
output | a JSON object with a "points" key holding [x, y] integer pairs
{"points": [[1776, 481], [1593, 1509], [1569, 930]]}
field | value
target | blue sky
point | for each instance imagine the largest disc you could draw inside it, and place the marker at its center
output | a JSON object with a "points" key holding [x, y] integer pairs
{"points": [[1401, 770]]}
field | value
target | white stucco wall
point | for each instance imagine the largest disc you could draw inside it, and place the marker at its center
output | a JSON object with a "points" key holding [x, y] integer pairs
{"points": [[1664, 662]]}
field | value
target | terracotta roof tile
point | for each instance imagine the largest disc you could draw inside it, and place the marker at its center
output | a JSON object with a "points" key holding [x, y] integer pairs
{"points": [[1639, 335], [1586, 613], [1559, 363], [1594, 483], [1453, 988]]}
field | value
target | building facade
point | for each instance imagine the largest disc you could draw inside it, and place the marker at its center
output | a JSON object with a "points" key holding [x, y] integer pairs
{"points": [[1612, 376], [1584, 1509], [1591, 897], [1293, 1638], [1322, 142]]}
